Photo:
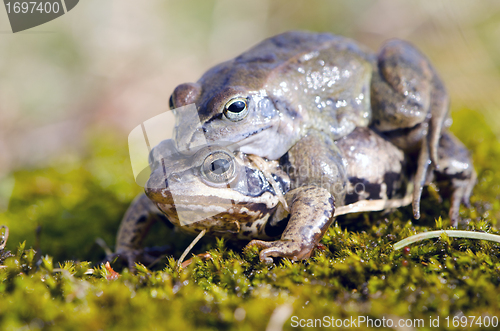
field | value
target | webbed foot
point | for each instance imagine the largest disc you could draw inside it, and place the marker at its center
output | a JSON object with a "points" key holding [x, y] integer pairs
{"points": [[311, 213]]}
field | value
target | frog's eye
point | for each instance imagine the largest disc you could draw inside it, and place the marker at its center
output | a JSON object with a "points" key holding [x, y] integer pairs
{"points": [[236, 109], [218, 167]]}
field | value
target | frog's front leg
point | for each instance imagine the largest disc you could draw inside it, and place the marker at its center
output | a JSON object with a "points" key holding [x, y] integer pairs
{"points": [[410, 106], [311, 213], [318, 179], [140, 216]]}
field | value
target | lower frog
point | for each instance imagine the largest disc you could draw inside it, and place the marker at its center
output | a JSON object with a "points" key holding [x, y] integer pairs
{"points": [[216, 189], [246, 197]]}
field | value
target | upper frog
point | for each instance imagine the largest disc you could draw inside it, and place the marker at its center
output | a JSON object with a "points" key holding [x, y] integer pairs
{"points": [[300, 84], [271, 96]]}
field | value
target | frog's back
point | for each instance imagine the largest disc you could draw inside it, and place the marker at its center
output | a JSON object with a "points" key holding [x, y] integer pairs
{"points": [[277, 50], [253, 67], [328, 84], [320, 80]]}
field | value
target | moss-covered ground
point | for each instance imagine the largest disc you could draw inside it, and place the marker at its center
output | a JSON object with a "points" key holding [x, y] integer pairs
{"points": [[62, 209]]}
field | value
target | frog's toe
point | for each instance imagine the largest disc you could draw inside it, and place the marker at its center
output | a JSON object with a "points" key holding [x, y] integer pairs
{"points": [[456, 199], [281, 248], [471, 182], [262, 246], [435, 132], [439, 120]]}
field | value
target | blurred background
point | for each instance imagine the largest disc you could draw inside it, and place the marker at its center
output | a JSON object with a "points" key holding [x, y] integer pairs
{"points": [[71, 90]]}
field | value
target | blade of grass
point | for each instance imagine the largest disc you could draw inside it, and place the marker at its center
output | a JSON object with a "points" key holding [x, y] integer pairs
{"points": [[451, 233]]}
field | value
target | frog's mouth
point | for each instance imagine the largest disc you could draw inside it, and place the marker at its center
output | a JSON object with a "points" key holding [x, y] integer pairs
{"points": [[200, 137], [263, 142], [218, 215], [256, 132]]}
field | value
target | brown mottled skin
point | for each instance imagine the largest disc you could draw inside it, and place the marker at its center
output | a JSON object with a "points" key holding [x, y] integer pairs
{"points": [[335, 115]]}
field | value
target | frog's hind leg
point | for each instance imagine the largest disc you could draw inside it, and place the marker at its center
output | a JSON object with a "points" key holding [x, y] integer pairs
{"points": [[410, 106], [407, 93], [456, 175]]}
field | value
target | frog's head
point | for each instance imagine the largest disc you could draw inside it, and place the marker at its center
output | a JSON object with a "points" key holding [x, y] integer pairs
{"points": [[233, 113], [212, 189], [236, 102]]}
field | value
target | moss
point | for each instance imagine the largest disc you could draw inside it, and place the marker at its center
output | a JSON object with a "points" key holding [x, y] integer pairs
{"points": [[357, 274]]}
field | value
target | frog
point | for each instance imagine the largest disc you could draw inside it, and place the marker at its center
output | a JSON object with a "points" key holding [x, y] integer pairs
{"points": [[299, 85], [252, 208]]}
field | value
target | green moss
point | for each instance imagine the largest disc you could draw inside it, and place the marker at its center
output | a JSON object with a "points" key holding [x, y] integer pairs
{"points": [[73, 202], [358, 274]]}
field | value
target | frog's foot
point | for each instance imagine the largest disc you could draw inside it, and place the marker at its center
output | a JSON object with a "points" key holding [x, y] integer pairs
{"points": [[462, 190], [311, 213], [457, 173], [292, 250]]}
